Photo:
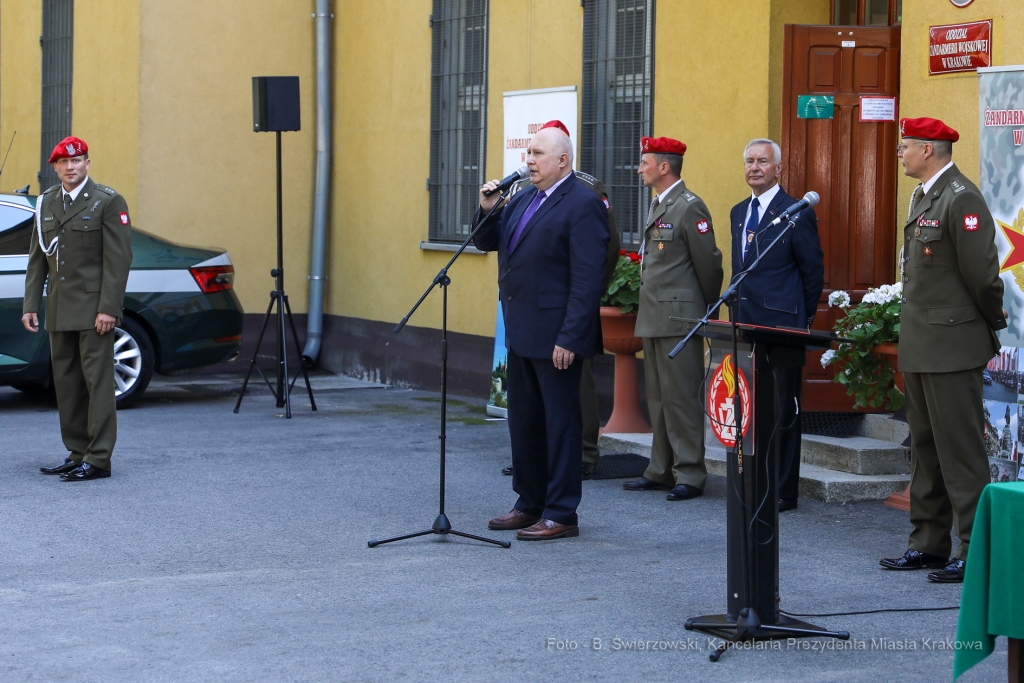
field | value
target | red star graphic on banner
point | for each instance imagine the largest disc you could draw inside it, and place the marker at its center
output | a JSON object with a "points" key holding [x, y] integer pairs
{"points": [[1016, 239]]}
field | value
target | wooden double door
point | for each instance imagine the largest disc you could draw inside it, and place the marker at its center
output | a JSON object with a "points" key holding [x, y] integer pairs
{"points": [[850, 163]]}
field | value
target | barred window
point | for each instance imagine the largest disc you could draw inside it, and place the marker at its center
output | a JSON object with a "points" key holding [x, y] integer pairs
{"points": [[618, 99], [458, 116], [57, 43]]}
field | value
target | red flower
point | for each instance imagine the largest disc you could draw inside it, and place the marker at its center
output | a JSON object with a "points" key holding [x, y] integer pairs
{"points": [[622, 252], [634, 257]]}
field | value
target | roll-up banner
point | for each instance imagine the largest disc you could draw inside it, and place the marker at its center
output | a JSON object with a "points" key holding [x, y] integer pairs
{"points": [[1001, 134], [525, 111]]}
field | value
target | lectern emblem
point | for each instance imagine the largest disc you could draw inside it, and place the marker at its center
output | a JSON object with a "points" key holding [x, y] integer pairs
{"points": [[721, 402]]}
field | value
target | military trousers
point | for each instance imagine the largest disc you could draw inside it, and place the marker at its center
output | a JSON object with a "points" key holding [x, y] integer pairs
{"points": [[83, 378], [677, 413], [948, 463], [591, 416]]}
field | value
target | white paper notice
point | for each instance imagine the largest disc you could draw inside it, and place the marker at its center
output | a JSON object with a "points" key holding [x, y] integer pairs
{"points": [[877, 108]]}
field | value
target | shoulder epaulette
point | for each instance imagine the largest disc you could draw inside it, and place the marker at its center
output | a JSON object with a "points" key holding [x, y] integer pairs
{"points": [[957, 186], [52, 189], [104, 188], [585, 177], [691, 197]]}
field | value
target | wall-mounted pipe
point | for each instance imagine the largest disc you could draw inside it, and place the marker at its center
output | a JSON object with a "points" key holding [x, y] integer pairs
{"points": [[322, 183]]}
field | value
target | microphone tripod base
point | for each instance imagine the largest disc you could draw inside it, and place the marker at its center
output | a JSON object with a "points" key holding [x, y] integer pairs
{"points": [[748, 628], [441, 527]]}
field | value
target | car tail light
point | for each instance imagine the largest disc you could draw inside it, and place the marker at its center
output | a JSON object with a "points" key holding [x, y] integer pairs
{"points": [[214, 278]]}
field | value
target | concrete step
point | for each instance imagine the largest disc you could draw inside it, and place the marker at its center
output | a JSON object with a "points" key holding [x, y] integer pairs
{"points": [[854, 454], [816, 482], [884, 428]]}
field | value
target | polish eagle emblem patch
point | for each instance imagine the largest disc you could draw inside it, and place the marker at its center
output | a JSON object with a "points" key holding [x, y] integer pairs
{"points": [[606, 204], [971, 223], [70, 148], [124, 218], [702, 227]]}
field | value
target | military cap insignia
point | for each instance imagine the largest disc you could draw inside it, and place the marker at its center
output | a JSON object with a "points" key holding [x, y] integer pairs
{"points": [[971, 223], [702, 227], [70, 148], [124, 218]]}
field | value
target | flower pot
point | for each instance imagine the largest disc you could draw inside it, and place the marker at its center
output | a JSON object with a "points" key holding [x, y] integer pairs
{"points": [[890, 351], [617, 330]]}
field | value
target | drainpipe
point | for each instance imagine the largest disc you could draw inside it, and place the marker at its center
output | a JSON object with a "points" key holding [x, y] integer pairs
{"points": [[317, 277]]}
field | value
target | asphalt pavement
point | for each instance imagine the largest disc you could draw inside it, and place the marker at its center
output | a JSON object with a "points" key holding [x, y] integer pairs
{"points": [[234, 548]]}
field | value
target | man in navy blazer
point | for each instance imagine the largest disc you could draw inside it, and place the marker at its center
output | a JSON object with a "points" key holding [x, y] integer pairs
{"points": [[552, 242], [783, 290]]}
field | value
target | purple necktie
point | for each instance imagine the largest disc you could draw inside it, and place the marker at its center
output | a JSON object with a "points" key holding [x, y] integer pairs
{"points": [[530, 210]]}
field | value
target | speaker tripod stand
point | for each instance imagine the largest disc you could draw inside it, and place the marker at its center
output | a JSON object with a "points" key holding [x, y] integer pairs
{"points": [[283, 392]]}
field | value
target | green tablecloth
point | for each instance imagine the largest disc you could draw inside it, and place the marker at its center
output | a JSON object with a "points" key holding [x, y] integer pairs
{"points": [[992, 602]]}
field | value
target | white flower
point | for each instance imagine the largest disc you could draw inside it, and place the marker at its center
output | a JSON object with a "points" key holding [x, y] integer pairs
{"points": [[839, 298], [827, 357]]}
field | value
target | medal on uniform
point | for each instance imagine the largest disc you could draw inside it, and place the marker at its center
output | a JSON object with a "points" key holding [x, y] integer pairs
{"points": [[927, 251], [657, 233], [661, 246], [917, 233]]}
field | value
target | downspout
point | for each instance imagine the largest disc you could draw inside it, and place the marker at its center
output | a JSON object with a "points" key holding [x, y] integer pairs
{"points": [[322, 183]]}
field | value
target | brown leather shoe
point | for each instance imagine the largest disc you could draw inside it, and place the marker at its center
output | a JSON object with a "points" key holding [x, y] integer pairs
{"points": [[545, 530], [513, 520]]}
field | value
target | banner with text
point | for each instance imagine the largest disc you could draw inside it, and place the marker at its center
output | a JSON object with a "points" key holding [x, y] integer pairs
{"points": [[1001, 126], [525, 111]]}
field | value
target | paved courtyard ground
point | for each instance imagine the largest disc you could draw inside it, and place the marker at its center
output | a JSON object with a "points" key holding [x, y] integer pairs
{"points": [[234, 548]]}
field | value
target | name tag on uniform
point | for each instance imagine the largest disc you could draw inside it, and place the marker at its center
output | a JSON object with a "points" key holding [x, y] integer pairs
{"points": [[48, 218]]}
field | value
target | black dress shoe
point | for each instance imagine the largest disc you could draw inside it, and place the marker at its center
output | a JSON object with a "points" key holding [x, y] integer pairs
{"points": [[786, 504], [67, 466], [912, 559], [588, 471], [684, 492], [951, 573], [507, 471], [85, 472], [644, 484]]}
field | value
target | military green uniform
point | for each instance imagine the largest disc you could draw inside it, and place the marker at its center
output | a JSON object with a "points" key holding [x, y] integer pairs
{"points": [[681, 274], [86, 274], [588, 385], [951, 305]]}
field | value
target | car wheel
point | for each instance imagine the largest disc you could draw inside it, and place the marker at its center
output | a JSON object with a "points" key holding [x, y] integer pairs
{"points": [[133, 362]]}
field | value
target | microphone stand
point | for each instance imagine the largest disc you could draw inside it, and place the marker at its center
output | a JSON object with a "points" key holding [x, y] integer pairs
{"points": [[748, 623], [441, 524]]}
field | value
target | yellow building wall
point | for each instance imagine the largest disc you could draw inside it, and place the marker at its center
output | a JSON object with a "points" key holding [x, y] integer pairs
{"points": [[813, 12], [953, 98], [380, 205], [204, 177], [105, 93], [20, 92]]}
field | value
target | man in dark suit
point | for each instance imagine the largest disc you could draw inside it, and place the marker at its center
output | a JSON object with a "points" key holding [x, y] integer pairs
{"points": [[783, 290], [551, 241]]}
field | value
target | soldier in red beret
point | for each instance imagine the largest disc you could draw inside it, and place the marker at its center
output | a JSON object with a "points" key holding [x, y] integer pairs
{"points": [[81, 250], [681, 273], [952, 303]]}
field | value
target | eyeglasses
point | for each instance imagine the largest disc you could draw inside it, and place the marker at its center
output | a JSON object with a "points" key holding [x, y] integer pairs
{"points": [[73, 161], [902, 148]]}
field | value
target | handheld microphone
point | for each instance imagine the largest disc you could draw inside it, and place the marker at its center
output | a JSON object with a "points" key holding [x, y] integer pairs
{"points": [[512, 179], [809, 200]]}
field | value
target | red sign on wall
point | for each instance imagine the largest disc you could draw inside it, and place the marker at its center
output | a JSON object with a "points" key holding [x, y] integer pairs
{"points": [[959, 47]]}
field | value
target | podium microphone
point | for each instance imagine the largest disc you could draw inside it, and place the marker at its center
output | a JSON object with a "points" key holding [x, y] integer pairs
{"points": [[809, 200], [512, 179]]}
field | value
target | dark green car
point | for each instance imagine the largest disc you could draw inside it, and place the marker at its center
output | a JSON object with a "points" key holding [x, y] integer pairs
{"points": [[180, 310]]}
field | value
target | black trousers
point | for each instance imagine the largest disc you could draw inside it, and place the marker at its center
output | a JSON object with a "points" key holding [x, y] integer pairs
{"points": [[788, 382], [545, 424]]}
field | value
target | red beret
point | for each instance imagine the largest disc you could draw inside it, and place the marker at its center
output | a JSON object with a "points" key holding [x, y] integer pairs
{"points": [[927, 129], [67, 148], [555, 124], [662, 146]]}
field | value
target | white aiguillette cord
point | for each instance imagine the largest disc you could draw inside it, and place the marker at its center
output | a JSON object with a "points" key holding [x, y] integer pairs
{"points": [[48, 250], [910, 212]]}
